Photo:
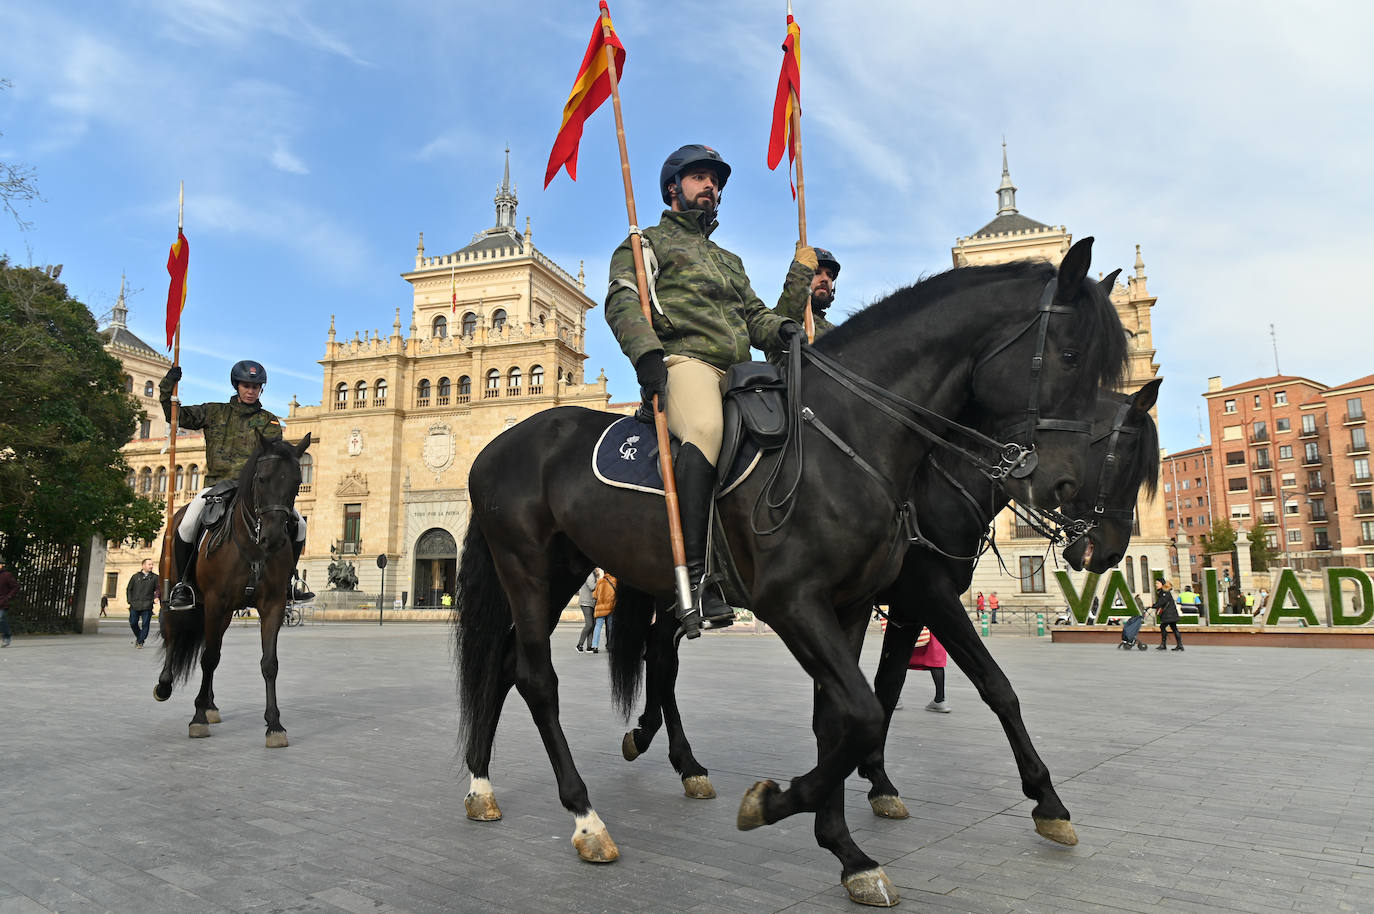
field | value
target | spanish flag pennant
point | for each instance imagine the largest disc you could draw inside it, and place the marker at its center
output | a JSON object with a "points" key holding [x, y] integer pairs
{"points": [[788, 96], [590, 89], [178, 260]]}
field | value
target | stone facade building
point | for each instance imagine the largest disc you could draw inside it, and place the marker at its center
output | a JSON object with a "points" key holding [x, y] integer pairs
{"points": [[1030, 584], [495, 334]]}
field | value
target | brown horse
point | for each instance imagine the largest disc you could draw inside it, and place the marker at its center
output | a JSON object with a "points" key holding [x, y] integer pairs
{"points": [[249, 564]]}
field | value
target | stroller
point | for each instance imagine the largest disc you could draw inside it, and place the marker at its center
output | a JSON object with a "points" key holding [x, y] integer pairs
{"points": [[1130, 634]]}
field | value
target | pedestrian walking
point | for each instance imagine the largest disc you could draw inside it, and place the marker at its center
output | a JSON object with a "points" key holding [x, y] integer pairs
{"points": [[929, 654], [140, 591], [9, 587], [993, 603], [1167, 614], [104, 605], [605, 605], [982, 604], [586, 601]]}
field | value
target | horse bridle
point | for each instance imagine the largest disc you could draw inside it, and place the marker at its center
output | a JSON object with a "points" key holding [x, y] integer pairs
{"points": [[1112, 464], [255, 522]]}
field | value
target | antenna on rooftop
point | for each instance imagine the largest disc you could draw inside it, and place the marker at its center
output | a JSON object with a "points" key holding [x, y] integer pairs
{"points": [[1200, 439], [1275, 339]]}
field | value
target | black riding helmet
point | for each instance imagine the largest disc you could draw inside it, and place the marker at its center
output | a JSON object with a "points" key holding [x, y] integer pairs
{"points": [[825, 258], [685, 158], [247, 372]]}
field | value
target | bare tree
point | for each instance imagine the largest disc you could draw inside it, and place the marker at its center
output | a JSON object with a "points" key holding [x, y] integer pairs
{"points": [[17, 182]]}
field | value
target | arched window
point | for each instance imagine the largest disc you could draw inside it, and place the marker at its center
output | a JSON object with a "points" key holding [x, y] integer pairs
{"points": [[132, 479], [440, 328], [1147, 583], [537, 379], [307, 469], [160, 479], [148, 389], [422, 393], [541, 321], [470, 324], [193, 485], [128, 383], [1130, 574], [341, 396], [464, 388], [379, 392], [513, 378], [360, 397], [180, 479], [442, 394], [145, 481], [560, 374], [493, 384], [498, 319]]}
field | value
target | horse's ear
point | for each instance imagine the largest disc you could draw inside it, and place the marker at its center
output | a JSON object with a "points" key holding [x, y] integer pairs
{"points": [[305, 443], [1109, 283], [1144, 399], [1074, 269]]}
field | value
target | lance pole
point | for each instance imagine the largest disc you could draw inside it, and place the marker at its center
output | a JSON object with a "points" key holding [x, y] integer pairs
{"points": [[169, 569], [665, 459], [808, 320]]}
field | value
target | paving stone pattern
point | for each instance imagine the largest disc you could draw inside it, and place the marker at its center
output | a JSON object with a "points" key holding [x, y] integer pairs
{"points": [[1214, 780]]}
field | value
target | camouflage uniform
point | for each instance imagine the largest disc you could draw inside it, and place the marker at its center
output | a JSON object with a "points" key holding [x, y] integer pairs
{"points": [[795, 311], [709, 310], [230, 428]]}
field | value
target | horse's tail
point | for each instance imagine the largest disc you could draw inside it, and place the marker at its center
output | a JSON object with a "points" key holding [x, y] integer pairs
{"points": [[633, 619], [183, 638], [481, 627]]}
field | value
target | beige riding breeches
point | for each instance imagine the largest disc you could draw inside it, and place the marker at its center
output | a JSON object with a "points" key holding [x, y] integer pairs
{"points": [[694, 404]]}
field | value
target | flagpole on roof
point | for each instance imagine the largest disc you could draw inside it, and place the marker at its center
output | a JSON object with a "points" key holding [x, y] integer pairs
{"points": [[167, 569], [665, 458]]}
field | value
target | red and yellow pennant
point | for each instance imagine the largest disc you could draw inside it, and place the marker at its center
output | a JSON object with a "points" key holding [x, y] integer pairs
{"points": [[177, 262], [590, 89], [786, 100]]}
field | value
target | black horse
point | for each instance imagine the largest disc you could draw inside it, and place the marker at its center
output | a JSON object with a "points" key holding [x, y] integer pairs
{"points": [[256, 552], [1122, 455], [540, 521]]}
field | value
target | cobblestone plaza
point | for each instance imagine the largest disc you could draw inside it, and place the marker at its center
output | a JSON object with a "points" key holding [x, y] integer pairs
{"points": [[1214, 780]]}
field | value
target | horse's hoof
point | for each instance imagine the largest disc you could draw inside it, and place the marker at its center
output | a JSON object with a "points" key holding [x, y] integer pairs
{"points": [[750, 813], [889, 807], [162, 691], [872, 887], [198, 731], [212, 716], [276, 739], [698, 787], [592, 841], [1059, 831], [481, 807], [628, 747]]}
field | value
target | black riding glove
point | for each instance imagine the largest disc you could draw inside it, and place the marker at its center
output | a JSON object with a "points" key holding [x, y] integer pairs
{"points": [[652, 373], [172, 377], [791, 333]]}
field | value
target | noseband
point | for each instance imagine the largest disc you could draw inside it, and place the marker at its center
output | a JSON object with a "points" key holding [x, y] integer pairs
{"points": [[254, 522]]}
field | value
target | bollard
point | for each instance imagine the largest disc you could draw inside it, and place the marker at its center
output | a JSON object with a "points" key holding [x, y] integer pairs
{"points": [[984, 620], [1040, 624]]}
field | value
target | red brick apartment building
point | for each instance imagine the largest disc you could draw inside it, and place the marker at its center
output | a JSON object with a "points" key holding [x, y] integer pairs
{"points": [[1293, 454], [1186, 483]]}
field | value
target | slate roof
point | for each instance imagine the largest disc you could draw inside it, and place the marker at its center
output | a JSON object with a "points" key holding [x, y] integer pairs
{"points": [[1009, 222], [121, 337]]}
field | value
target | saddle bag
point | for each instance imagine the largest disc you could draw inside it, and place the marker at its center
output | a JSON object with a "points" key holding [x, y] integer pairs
{"points": [[217, 500], [757, 391]]}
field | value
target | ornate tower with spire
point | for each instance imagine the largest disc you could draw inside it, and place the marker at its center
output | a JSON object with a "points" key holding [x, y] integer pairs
{"points": [[1010, 235], [1006, 191], [506, 200]]}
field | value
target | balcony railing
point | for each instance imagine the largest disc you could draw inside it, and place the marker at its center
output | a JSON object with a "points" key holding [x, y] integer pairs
{"points": [[1309, 460], [464, 398], [379, 401], [1318, 517], [359, 404], [1321, 543], [304, 488], [1259, 436], [1269, 520], [490, 392], [421, 402], [536, 389], [350, 548], [1308, 433], [1264, 492], [1352, 418], [1262, 465], [341, 404], [1367, 540], [1364, 510], [1357, 479], [1316, 485], [1358, 448], [512, 391], [441, 401]]}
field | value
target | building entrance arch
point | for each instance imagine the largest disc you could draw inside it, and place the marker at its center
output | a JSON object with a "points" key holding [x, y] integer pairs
{"points": [[436, 568]]}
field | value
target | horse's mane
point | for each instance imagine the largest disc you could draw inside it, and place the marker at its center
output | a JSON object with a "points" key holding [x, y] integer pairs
{"points": [[1145, 465], [1098, 329]]}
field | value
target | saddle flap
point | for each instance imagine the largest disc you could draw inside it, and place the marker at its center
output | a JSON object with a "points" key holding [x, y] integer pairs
{"points": [[756, 404], [218, 498]]}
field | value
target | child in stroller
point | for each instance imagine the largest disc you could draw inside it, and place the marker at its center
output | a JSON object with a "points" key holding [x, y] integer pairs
{"points": [[1130, 634]]}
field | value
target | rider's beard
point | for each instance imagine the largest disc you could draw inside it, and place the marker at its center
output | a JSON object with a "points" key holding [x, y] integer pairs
{"points": [[821, 297]]}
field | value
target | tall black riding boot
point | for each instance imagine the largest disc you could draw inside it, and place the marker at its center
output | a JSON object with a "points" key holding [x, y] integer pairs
{"points": [[696, 488], [183, 596], [297, 592]]}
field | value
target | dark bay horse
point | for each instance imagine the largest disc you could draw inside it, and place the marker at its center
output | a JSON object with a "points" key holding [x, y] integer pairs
{"points": [[1121, 456], [256, 552], [982, 338]]}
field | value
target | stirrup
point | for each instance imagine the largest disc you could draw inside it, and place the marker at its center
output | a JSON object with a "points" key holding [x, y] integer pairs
{"points": [[182, 597]]}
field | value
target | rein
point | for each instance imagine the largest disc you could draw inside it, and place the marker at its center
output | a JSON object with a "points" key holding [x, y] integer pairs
{"points": [[255, 551]]}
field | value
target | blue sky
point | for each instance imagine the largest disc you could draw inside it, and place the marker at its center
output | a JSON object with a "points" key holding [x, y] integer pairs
{"points": [[1230, 140]]}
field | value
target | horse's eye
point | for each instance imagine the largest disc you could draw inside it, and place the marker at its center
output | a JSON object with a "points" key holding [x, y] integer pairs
{"points": [[1070, 356]]}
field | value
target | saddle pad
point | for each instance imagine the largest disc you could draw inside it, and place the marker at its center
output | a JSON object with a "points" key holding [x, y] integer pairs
{"points": [[626, 457]]}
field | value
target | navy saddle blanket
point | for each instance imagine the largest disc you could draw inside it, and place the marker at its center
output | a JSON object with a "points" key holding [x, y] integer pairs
{"points": [[626, 456]]}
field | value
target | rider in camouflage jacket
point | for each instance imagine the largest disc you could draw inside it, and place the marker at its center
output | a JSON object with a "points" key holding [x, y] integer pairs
{"points": [[822, 297], [704, 317]]}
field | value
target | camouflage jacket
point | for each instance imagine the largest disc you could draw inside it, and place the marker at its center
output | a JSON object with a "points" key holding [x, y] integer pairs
{"points": [[796, 311], [709, 311], [230, 428]]}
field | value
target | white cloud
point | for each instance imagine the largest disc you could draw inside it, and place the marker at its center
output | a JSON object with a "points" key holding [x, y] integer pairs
{"points": [[285, 160]]}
